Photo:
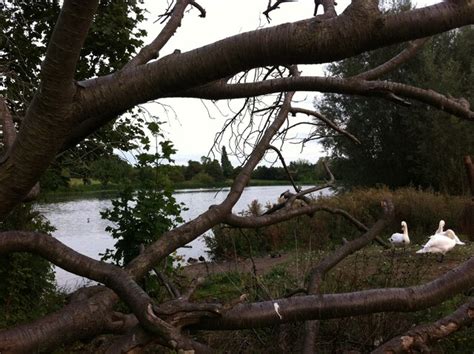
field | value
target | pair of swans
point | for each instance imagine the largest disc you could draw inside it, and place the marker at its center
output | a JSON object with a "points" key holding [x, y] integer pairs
{"points": [[441, 242]]}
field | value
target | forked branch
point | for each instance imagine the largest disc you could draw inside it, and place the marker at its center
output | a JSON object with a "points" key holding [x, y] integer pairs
{"points": [[151, 51]]}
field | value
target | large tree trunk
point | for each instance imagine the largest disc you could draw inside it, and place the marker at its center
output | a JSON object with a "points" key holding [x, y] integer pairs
{"points": [[468, 213]]}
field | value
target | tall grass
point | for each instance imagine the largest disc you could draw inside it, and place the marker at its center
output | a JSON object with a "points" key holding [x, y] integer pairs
{"points": [[422, 211]]}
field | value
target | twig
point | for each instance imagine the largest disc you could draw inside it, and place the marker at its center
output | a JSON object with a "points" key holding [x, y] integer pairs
{"points": [[282, 159], [273, 7], [168, 284]]}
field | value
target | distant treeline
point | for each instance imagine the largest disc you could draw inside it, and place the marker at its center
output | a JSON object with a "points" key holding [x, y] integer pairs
{"points": [[109, 171]]}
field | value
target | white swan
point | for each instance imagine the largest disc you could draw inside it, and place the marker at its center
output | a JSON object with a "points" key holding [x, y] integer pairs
{"points": [[440, 243], [400, 239], [451, 234]]}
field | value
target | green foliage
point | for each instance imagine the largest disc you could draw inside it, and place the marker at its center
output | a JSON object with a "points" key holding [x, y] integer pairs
{"points": [[144, 210], [53, 179], [111, 169], [269, 173], [113, 38], [416, 145], [193, 168], [27, 287], [141, 217]]}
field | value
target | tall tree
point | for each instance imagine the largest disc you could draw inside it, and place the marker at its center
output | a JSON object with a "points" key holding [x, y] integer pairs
{"points": [[399, 142], [227, 168], [64, 111]]}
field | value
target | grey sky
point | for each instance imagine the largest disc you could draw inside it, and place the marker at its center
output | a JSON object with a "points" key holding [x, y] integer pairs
{"points": [[190, 127]]}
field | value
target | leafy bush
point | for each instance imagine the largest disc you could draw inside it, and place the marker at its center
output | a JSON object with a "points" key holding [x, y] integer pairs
{"points": [[141, 217], [27, 287]]}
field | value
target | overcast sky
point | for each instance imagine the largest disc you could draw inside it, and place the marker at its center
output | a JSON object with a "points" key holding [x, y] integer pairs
{"points": [[190, 127]]}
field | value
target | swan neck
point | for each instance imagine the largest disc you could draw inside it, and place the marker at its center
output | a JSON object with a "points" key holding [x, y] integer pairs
{"points": [[405, 232]]}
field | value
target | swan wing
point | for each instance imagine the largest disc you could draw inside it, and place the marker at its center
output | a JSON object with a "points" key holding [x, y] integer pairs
{"points": [[438, 244]]}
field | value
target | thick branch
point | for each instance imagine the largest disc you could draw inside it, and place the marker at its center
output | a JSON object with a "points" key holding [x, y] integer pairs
{"points": [[327, 306], [391, 91], [305, 42], [419, 337], [48, 118], [9, 137], [8, 128], [113, 277], [469, 165]]}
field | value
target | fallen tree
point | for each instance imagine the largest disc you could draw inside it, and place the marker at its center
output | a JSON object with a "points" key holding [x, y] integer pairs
{"points": [[64, 111]]}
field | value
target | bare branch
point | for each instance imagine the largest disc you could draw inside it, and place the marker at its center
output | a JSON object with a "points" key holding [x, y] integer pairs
{"points": [[395, 62], [168, 284], [419, 337], [289, 197], [151, 51], [200, 8], [328, 122], [328, 9]]}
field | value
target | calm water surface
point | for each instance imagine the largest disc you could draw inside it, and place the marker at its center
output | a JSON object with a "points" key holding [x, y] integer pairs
{"points": [[80, 226]]}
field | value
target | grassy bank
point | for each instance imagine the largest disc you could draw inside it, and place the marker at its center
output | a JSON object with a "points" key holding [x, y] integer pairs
{"points": [[96, 189], [422, 210], [372, 267]]}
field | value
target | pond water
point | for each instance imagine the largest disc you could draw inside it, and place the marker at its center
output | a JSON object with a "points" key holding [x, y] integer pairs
{"points": [[80, 226]]}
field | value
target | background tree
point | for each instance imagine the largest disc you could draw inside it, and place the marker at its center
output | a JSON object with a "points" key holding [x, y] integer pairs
{"points": [[111, 169], [398, 142], [227, 168]]}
